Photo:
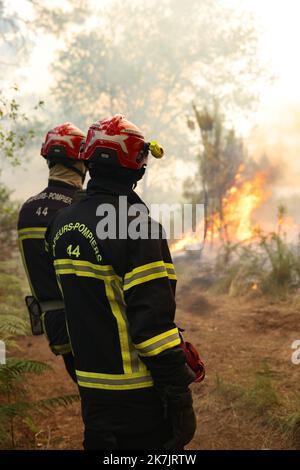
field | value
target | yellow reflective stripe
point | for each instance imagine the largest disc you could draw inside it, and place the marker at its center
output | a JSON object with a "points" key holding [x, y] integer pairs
{"points": [[32, 229], [171, 271], [159, 343], [161, 348], [25, 266], [107, 274], [85, 269], [144, 267], [114, 381], [148, 272], [32, 237], [170, 266], [141, 280], [79, 273], [122, 327], [59, 283], [100, 375], [100, 267], [135, 362], [157, 338], [114, 387], [32, 233]]}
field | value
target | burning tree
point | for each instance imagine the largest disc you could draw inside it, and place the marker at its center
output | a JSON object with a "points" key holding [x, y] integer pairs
{"points": [[229, 195]]}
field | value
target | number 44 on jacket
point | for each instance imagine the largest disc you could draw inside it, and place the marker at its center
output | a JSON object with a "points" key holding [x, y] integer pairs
{"points": [[73, 252]]}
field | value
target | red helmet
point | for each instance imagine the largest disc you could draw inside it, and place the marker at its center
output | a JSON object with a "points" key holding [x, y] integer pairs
{"points": [[116, 137], [63, 141]]}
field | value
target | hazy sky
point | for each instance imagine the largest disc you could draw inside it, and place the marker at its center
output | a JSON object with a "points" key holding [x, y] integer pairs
{"points": [[278, 22], [280, 39]]}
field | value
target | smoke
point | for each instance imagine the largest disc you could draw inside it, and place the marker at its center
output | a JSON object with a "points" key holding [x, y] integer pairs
{"points": [[275, 145], [278, 141]]}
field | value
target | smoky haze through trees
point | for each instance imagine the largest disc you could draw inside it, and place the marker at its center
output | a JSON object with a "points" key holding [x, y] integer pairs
{"points": [[149, 60]]}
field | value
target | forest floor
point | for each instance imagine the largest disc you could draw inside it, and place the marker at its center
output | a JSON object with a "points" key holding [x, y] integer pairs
{"points": [[250, 398]]}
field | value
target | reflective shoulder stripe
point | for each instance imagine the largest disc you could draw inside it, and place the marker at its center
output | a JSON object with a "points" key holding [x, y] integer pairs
{"points": [[171, 271], [148, 272], [32, 232], [100, 267], [159, 343], [21, 247], [143, 268], [170, 266], [85, 268], [35, 229], [142, 279], [29, 233], [114, 381]]}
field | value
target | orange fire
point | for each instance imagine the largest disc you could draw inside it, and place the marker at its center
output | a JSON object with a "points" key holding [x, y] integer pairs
{"points": [[238, 205]]}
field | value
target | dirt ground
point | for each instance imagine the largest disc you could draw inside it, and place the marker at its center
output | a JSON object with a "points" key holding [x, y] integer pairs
{"points": [[235, 337]]}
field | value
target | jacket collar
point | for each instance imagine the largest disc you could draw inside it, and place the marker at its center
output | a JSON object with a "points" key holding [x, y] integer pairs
{"points": [[60, 184], [100, 185]]}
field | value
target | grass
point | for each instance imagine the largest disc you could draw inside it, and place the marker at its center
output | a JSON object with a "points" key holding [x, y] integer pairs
{"points": [[259, 400], [269, 267], [291, 428]]}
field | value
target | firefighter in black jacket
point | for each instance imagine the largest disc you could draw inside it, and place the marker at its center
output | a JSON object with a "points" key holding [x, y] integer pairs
{"points": [[119, 296], [66, 175]]}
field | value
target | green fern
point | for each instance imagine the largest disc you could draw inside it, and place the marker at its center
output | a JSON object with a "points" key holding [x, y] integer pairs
{"points": [[18, 367], [11, 325], [10, 286], [8, 309], [22, 409], [50, 403], [13, 397], [16, 408]]}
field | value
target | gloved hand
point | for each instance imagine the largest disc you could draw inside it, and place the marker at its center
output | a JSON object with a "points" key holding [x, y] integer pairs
{"points": [[178, 404]]}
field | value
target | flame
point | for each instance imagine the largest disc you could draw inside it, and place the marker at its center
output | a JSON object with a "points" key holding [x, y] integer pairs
{"points": [[238, 205]]}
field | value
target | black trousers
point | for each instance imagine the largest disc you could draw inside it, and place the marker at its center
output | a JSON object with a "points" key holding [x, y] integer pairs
{"points": [[126, 420], [100, 440]]}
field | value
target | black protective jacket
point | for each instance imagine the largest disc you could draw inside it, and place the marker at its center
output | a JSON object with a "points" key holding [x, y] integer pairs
{"points": [[34, 217], [119, 296]]}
